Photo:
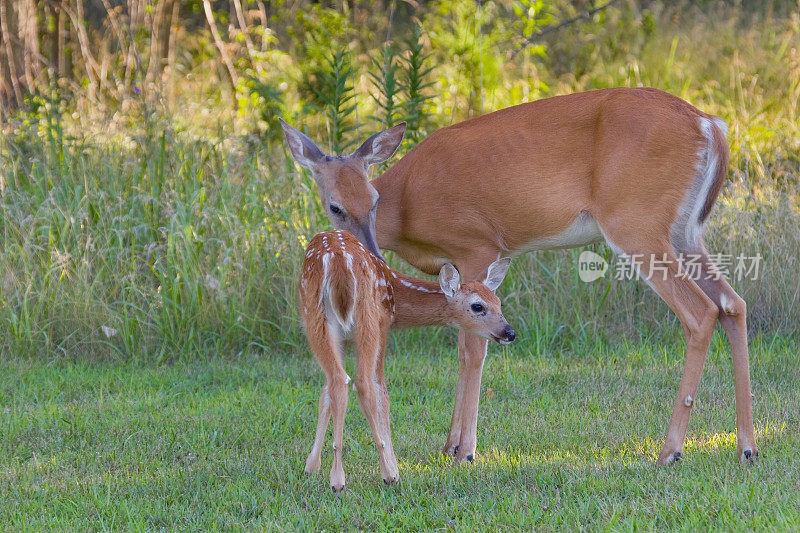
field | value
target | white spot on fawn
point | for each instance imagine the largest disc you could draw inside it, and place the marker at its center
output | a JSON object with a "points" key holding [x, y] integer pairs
{"points": [[416, 287], [688, 401]]}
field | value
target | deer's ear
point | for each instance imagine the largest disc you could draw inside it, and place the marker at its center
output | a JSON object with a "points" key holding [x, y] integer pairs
{"points": [[496, 273], [381, 146], [305, 152], [449, 280]]}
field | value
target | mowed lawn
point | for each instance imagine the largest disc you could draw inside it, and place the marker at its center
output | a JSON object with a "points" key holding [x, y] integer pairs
{"points": [[566, 441]]}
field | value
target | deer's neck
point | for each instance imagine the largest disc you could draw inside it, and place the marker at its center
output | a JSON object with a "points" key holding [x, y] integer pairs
{"points": [[418, 303], [388, 219]]}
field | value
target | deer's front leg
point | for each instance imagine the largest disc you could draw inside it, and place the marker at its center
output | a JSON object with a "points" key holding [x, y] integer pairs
{"points": [[472, 351]]}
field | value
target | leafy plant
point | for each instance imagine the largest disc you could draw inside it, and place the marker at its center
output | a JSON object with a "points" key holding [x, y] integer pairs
{"points": [[271, 106], [387, 86], [414, 85], [338, 98]]}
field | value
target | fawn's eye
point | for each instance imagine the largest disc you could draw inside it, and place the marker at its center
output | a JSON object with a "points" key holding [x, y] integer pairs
{"points": [[335, 209], [476, 308]]}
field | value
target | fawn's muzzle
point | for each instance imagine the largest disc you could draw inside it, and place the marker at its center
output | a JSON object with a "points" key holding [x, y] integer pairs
{"points": [[508, 335]]}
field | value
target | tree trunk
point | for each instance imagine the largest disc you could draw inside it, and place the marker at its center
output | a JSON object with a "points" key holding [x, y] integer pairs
{"points": [[233, 78], [251, 51], [153, 60], [173, 36], [29, 41], [8, 28]]}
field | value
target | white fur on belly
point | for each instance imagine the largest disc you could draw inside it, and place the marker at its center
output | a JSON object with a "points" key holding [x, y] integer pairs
{"points": [[583, 230]]}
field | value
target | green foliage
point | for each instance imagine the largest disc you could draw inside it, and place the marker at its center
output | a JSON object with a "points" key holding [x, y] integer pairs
{"points": [[337, 100], [386, 87], [415, 86], [531, 15], [316, 34], [170, 226], [271, 106], [465, 33]]}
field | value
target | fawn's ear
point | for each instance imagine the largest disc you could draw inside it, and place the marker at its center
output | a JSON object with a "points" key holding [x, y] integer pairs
{"points": [[305, 152], [382, 145], [449, 280], [496, 273]]}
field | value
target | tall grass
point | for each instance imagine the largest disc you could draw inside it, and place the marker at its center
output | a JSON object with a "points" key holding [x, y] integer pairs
{"points": [[158, 234]]}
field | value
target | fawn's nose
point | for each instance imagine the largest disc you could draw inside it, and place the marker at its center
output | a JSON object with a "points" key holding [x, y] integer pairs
{"points": [[509, 334]]}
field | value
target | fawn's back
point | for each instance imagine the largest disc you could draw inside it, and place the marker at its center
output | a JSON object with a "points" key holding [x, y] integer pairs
{"points": [[342, 282]]}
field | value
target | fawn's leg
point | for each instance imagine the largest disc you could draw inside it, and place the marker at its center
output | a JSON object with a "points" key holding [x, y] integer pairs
{"points": [[315, 457], [326, 347], [370, 342], [383, 401], [338, 390]]}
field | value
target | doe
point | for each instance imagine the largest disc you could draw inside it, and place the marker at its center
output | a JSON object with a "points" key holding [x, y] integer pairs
{"points": [[346, 290]]}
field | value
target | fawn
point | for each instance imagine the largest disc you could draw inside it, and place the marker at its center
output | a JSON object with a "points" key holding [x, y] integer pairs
{"points": [[346, 290]]}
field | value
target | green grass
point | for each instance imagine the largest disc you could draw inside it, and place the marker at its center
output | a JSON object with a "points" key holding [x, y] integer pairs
{"points": [[565, 442]]}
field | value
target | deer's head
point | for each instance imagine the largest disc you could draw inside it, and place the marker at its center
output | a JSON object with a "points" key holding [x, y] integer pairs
{"points": [[474, 305], [349, 199]]}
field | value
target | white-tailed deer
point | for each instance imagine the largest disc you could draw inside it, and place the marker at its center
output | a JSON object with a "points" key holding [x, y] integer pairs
{"points": [[346, 290], [638, 168]]}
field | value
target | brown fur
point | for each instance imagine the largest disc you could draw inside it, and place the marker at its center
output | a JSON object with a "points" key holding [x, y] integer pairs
{"points": [[339, 272], [627, 157]]}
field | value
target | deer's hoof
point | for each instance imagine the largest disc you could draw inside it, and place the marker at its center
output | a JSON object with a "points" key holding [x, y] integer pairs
{"points": [[450, 451], [470, 458], [673, 457], [748, 456]]}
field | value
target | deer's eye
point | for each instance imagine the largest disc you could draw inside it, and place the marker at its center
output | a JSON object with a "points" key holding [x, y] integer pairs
{"points": [[476, 308], [335, 209]]}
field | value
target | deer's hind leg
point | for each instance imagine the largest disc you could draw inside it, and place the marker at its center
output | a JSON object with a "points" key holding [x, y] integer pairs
{"points": [[733, 319], [660, 267], [371, 342]]}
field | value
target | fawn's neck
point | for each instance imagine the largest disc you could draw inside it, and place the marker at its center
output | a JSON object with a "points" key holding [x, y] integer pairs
{"points": [[418, 302]]}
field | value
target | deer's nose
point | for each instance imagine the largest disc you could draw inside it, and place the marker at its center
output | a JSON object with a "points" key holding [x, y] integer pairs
{"points": [[509, 334]]}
